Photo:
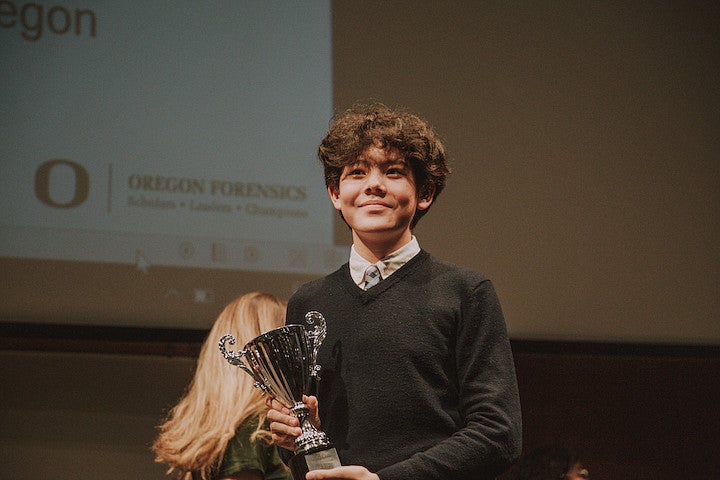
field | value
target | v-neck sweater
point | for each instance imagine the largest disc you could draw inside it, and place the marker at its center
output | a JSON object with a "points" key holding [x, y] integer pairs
{"points": [[417, 379]]}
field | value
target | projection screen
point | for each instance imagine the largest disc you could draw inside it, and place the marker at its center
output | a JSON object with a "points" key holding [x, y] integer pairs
{"points": [[159, 157]]}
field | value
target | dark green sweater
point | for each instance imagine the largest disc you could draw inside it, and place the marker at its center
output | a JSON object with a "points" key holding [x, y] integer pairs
{"points": [[244, 455], [417, 378]]}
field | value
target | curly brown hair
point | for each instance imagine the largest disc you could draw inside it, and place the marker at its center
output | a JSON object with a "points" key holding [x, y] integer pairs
{"points": [[363, 125]]}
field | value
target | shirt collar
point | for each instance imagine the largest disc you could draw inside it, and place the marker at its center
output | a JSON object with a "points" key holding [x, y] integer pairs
{"points": [[387, 266]]}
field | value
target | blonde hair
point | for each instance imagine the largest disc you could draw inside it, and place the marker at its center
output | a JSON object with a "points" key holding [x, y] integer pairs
{"points": [[195, 435]]}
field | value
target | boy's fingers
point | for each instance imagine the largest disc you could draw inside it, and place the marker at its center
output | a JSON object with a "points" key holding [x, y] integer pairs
{"points": [[279, 417], [274, 404], [283, 430]]}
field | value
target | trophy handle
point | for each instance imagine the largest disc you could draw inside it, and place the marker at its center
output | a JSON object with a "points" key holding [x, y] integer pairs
{"points": [[316, 329], [236, 359]]}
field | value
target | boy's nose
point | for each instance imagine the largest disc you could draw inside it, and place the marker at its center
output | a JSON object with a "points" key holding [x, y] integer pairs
{"points": [[374, 182]]}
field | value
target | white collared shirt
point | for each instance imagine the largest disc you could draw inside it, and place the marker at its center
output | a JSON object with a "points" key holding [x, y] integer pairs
{"points": [[387, 265]]}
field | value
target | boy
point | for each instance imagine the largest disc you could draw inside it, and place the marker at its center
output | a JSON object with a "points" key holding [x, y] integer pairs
{"points": [[418, 380]]}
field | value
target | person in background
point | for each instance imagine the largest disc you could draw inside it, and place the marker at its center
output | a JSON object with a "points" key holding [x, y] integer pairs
{"points": [[417, 380], [218, 428], [550, 463]]}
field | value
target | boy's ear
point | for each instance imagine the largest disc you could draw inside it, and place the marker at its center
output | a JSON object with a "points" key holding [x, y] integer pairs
{"points": [[334, 196], [426, 199]]}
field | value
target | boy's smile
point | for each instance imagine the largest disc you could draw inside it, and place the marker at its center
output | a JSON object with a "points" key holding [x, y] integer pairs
{"points": [[378, 199]]}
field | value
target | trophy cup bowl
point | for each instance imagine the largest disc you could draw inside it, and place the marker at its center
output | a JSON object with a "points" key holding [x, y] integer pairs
{"points": [[282, 362]]}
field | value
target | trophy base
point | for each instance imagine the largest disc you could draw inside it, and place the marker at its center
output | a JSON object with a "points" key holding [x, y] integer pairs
{"points": [[302, 463]]}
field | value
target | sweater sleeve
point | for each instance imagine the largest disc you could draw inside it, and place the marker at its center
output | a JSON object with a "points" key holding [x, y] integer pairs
{"points": [[489, 439]]}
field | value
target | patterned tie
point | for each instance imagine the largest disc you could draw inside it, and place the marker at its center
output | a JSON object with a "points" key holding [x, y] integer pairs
{"points": [[372, 276]]}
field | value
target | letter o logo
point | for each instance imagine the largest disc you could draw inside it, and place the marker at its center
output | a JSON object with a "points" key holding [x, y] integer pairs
{"points": [[42, 184]]}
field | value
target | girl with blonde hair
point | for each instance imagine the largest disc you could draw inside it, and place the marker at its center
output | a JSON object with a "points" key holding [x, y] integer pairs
{"points": [[218, 429]]}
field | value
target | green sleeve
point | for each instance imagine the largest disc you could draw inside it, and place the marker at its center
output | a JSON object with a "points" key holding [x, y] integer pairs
{"points": [[243, 454]]}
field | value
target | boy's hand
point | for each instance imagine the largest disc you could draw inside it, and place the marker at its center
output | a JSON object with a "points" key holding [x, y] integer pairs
{"points": [[352, 472], [284, 426]]}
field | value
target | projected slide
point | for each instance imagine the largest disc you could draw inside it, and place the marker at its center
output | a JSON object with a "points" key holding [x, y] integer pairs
{"points": [[167, 133]]}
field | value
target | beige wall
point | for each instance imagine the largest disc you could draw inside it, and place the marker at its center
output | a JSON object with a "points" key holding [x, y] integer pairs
{"points": [[585, 146]]}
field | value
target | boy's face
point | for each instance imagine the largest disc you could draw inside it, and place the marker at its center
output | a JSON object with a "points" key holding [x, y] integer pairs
{"points": [[378, 197]]}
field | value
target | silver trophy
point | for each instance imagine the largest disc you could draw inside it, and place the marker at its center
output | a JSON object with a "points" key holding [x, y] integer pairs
{"points": [[283, 363]]}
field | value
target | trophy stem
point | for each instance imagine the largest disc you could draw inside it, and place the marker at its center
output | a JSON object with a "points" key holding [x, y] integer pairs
{"points": [[301, 411], [313, 449], [311, 439]]}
